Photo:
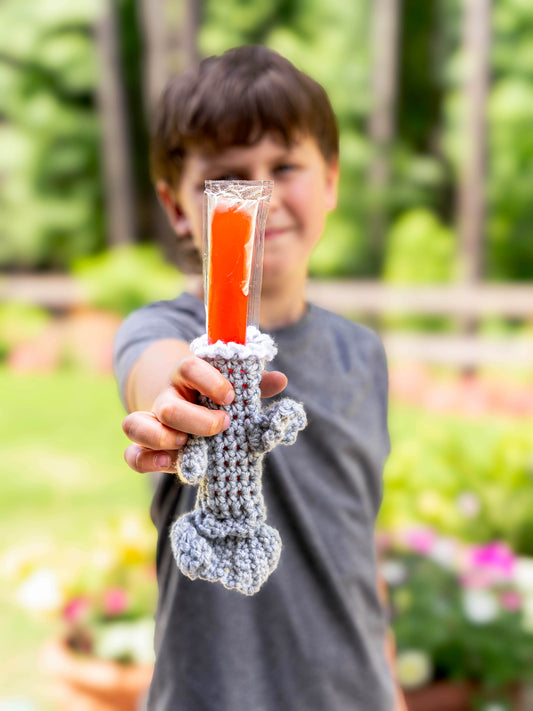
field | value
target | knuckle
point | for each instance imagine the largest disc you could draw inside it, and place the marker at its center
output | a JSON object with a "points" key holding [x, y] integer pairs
{"points": [[131, 457], [221, 388], [216, 423], [167, 412], [163, 438], [188, 366], [130, 427]]}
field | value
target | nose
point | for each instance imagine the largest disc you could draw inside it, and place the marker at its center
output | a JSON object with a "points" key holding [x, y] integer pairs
{"points": [[264, 173], [275, 198]]}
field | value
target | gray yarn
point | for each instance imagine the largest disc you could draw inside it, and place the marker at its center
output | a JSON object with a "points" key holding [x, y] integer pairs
{"points": [[225, 537]]}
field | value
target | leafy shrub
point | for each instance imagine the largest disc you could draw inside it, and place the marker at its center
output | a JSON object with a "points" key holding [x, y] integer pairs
{"points": [[465, 477], [104, 602], [459, 611], [51, 206], [336, 254], [420, 250], [125, 278]]}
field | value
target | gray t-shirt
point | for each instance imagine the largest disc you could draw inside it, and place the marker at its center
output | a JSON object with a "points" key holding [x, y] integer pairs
{"points": [[312, 639]]}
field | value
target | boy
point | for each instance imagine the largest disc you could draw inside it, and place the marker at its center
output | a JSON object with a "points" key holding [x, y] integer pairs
{"points": [[313, 637]]}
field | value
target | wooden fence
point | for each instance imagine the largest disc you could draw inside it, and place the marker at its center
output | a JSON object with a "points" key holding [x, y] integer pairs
{"points": [[370, 301]]}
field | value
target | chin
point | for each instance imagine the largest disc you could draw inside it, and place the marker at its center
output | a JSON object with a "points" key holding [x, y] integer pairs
{"points": [[272, 281]]}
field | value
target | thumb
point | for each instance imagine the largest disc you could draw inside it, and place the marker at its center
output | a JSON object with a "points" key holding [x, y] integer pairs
{"points": [[273, 383]]}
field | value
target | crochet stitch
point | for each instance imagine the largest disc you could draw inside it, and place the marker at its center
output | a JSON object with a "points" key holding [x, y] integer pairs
{"points": [[225, 537]]}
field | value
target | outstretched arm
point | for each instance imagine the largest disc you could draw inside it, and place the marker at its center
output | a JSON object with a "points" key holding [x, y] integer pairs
{"points": [[161, 394]]}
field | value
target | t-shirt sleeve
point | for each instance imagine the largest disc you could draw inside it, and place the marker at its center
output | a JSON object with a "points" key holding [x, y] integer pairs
{"points": [[157, 321]]}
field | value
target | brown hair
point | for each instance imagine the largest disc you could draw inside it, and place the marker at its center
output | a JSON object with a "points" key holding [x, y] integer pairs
{"points": [[235, 99]]}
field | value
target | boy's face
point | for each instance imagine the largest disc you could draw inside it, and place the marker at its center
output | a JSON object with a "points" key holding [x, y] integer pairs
{"points": [[305, 189]]}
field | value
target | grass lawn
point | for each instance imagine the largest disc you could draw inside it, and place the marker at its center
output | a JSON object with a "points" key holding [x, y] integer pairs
{"points": [[62, 479]]}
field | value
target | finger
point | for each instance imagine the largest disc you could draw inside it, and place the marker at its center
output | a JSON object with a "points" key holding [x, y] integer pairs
{"points": [[146, 460], [188, 417], [273, 382], [145, 429], [198, 375]]}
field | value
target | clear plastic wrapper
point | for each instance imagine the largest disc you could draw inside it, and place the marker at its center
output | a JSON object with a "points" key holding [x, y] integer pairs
{"points": [[235, 213]]}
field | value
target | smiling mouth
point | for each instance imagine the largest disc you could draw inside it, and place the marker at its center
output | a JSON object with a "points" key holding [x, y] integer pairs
{"points": [[273, 232]]}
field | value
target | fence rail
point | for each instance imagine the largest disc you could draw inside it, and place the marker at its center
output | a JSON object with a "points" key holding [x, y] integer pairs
{"points": [[375, 298], [367, 299]]}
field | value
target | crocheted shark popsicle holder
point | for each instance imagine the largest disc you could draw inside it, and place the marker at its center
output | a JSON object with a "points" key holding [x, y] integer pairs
{"points": [[225, 538]]}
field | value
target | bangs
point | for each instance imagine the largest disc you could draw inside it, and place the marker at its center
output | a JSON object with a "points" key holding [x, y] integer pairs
{"points": [[244, 114], [234, 100]]}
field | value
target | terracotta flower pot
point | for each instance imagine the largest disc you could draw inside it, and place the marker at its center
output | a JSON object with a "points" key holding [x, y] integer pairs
{"points": [[85, 683], [440, 696], [459, 696]]}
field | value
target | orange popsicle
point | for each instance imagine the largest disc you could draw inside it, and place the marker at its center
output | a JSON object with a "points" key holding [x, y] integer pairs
{"points": [[230, 250]]}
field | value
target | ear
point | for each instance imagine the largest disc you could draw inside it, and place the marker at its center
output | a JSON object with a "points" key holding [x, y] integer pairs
{"points": [[176, 216], [332, 181]]}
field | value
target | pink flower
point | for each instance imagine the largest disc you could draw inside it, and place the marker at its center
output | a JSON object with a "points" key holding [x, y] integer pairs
{"points": [[510, 600], [420, 540], [495, 556], [76, 609], [489, 565], [115, 601]]}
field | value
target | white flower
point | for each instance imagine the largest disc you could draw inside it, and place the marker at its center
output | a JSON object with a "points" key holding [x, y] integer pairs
{"points": [[468, 504], [394, 572], [414, 668], [445, 552], [523, 574], [493, 707], [480, 606], [132, 640], [40, 592]]}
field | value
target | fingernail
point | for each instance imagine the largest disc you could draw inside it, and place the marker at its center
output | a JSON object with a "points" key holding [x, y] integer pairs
{"points": [[229, 398], [162, 460], [227, 421], [181, 438]]}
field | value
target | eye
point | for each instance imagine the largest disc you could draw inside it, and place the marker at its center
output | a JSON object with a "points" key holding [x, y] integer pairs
{"points": [[284, 168], [229, 176]]}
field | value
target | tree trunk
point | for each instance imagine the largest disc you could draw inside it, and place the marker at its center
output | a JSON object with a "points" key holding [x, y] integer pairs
{"points": [[117, 163], [171, 45], [471, 197], [152, 13], [191, 26], [385, 32]]}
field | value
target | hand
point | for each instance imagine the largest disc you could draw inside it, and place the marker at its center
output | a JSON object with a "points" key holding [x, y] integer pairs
{"points": [[158, 435]]}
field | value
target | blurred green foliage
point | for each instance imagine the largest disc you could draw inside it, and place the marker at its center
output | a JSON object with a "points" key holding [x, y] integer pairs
{"points": [[509, 247], [19, 323], [420, 250], [50, 205], [125, 278], [471, 478], [51, 202]]}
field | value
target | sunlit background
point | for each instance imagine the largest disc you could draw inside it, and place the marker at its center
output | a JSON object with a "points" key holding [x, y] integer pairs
{"points": [[432, 245]]}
